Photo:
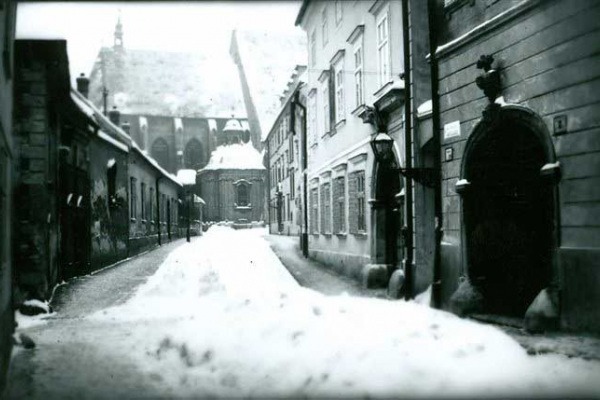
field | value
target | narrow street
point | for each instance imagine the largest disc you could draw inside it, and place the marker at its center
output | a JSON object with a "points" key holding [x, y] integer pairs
{"points": [[222, 317]]}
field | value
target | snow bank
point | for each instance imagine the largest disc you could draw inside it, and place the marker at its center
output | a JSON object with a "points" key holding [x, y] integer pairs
{"points": [[186, 176], [235, 323]]}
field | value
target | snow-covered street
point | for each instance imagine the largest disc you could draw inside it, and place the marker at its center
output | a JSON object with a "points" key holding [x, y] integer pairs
{"points": [[222, 317]]}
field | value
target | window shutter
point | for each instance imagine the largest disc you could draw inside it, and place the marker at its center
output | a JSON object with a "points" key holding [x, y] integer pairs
{"points": [[352, 203]]}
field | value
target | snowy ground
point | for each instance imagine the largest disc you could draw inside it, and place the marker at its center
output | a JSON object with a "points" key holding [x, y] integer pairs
{"points": [[222, 317]]}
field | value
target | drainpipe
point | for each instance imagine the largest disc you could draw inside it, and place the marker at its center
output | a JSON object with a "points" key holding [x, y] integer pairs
{"points": [[158, 211], [268, 195], [437, 167], [296, 102], [408, 223]]}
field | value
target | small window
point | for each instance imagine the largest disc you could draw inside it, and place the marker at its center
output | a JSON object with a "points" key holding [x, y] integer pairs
{"points": [[324, 27], [338, 12], [243, 198]]}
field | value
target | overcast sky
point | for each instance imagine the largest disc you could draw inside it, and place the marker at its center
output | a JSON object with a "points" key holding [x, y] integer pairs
{"points": [[177, 26]]}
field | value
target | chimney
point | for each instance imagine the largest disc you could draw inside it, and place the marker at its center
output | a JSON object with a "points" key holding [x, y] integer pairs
{"points": [[114, 115], [83, 85], [126, 127]]}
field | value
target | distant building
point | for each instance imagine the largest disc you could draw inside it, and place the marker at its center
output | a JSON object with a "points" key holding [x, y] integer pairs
{"points": [[233, 182], [174, 105], [284, 144]]}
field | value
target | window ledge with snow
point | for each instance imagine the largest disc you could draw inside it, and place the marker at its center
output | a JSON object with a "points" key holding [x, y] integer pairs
{"points": [[242, 207], [360, 234], [340, 123], [341, 234]]}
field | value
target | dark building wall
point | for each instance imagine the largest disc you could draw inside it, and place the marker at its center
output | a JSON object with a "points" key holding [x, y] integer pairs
{"points": [[219, 192], [144, 228], [109, 212], [8, 17], [36, 189], [547, 54]]}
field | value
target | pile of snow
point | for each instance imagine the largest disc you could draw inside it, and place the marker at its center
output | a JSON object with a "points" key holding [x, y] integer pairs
{"points": [[235, 156], [235, 323]]}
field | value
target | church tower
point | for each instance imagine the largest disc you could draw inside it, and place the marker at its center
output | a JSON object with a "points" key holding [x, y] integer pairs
{"points": [[118, 40]]}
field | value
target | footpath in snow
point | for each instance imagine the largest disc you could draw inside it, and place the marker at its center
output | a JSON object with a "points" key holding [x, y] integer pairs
{"points": [[223, 317]]}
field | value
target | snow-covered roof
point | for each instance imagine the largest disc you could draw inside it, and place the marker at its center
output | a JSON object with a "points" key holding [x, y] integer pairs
{"points": [[424, 109], [115, 134], [268, 58], [232, 125], [235, 156], [186, 176], [167, 83]]}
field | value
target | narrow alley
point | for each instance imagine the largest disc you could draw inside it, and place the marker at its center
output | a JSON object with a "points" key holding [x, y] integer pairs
{"points": [[204, 320]]}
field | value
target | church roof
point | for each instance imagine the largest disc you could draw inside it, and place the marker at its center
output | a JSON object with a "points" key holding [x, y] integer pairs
{"points": [[167, 83], [268, 58], [235, 156]]}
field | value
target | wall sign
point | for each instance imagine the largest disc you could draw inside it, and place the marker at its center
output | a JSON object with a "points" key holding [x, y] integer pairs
{"points": [[560, 124], [452, 129], [449, 153]]}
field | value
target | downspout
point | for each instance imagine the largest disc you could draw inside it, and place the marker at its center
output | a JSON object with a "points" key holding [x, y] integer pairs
{"points": [[268, 196], [304, 176], [408, 203], [435, 119], [158, 211]]}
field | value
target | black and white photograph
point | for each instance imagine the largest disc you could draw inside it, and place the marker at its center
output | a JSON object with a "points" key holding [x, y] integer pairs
{"points": [[313, 199]]}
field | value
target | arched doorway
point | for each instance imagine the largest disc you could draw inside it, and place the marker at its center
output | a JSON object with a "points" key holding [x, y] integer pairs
{"points": [[160, 152], [509, 211], [386, 215], [192, 155]]}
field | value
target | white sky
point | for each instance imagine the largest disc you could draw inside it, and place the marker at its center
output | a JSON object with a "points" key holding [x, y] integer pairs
{"points": [[177, 26]]}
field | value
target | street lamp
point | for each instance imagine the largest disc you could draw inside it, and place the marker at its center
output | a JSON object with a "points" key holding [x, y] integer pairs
{"points": [[382, 144]]}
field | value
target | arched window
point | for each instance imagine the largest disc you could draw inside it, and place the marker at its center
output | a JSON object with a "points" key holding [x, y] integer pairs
{"points": [[160, 152], [242, 195], [192, 156]]}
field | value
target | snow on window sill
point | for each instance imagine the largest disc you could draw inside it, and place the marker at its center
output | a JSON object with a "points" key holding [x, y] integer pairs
{"points": [[341, 234], [360, 234], [243, 207], [132, 219], [340, 123]]}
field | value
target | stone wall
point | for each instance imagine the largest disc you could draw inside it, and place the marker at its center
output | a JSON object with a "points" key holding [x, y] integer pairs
{"points": [[548, 57]]}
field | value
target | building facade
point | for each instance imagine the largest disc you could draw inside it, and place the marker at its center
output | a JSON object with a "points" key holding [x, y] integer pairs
{"points": [[518, 85], [355, 63], [233, 182], [82, 186], [7, 157], [285, 143]]}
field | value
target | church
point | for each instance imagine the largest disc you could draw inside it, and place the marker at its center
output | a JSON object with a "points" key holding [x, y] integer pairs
{"points": [[178, 110]]}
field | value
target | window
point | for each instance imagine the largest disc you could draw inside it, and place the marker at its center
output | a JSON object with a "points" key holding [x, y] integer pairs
{"points": [[243, 198], [324, 28], [383, 49], [312, 119], [313, 47], [292, 188], [338, 12], [339, 205], [340, 113], [325, 101], [291, 148], [314, 210], [356, 196], [163, 208], [133, 198], [289, 208], [326, 208], [152, 205], [143, 198], [111, 178], [358, 75]]}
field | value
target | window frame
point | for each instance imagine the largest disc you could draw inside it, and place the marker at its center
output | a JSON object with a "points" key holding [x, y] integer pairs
{"points": [[340, 109], [383, 45], [359, 93]]}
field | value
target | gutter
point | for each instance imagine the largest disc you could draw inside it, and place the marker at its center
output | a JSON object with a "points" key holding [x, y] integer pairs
{"points": [[436, 142]]}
